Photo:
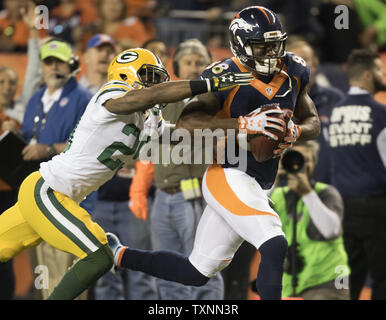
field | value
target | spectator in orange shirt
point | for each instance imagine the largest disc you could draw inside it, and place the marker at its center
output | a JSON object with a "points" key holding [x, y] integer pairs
{"points": [[68, 17], [129, 32], [13, 30]]}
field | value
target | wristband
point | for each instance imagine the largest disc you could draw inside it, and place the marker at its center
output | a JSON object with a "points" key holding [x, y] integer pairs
{"points": [[200, 86]]}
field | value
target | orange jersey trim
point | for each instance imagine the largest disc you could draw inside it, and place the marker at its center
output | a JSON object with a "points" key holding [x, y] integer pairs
{"points": [[219, 188], [298, 83], [268, 90], [225, 112]]}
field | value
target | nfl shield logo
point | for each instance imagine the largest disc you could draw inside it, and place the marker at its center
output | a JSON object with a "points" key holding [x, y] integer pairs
{"points": [[268, 91]]}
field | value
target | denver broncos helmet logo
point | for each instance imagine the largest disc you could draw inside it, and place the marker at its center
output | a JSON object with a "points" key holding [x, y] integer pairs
{"points": [[240, 23]]}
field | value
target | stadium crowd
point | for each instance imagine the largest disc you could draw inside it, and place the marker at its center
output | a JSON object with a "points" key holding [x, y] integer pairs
{"points": [[159, 206]]}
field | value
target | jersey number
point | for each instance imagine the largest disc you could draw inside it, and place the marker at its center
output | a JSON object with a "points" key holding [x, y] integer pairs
{"points": [[299, 60], [133, 133]]}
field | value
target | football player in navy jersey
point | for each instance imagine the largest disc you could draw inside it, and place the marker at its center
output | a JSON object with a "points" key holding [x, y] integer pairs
{"points": [[237, 203]]}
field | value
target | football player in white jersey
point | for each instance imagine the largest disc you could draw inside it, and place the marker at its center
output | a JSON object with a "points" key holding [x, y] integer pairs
{"points": [[110, 132]]}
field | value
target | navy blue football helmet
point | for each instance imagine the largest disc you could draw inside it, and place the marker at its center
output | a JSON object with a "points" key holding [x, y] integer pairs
{"points": [[257, 39]]}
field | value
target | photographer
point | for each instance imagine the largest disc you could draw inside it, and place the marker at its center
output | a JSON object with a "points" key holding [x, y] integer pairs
{"points": [[318, 260]]}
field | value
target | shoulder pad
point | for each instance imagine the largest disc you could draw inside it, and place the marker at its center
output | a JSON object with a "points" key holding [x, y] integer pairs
{"points": [[219, 67], [297, 67], [113, 86]]}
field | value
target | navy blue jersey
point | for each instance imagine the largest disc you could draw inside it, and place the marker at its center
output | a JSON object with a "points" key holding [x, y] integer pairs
{"points": [[242, 100], [354, 125]]}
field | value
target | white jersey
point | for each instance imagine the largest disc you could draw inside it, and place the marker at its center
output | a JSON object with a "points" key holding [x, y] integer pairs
{"points": [[99, 145]]}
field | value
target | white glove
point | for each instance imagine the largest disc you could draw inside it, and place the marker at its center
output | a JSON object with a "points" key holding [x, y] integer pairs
{"points": [[293, 133], [154, 123], [258, 122]]}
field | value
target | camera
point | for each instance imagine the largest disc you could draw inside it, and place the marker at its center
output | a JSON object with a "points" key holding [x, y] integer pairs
{"points": [[292, 161]]}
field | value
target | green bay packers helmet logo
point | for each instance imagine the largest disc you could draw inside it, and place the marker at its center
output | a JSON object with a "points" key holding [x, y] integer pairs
{"points": [[127, 57]]}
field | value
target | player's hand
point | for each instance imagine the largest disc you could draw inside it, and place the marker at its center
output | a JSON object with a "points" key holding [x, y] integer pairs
{"points": [[138, 205], [230, 80], [10, 125], [28, 14], [35, 152], [299, 183], [259, 122], [293, 133]]}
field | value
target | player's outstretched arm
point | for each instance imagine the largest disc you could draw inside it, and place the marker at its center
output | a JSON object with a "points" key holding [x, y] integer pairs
{"points": [[142, 99], [306, 117]]}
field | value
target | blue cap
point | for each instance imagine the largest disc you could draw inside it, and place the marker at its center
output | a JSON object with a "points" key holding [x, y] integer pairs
{"points": [[98, 40]]}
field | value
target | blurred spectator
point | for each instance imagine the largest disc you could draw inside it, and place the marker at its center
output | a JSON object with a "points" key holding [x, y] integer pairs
{"points": [[357, 141], [67, 18], [51, 114], [11, 115], [128, 32], [113, 214], [100, 50], [298, 17], [191, 19], [144, 10], [8, 197], [176, 212], [324, 98], [318, 256], [336, 44], [8, 86], [158, 47], [13, 30], [372, 14]]}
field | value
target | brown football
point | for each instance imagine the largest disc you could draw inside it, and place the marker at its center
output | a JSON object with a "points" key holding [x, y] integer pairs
{"points": [[261, 146]]}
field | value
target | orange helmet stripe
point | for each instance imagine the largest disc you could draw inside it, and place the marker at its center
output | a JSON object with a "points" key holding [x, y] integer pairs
{"points": [[265, 13]]}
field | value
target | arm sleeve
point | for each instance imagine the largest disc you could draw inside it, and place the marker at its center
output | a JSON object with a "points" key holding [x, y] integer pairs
{"points": [[33, 74], [32, 78], [325, 219]]}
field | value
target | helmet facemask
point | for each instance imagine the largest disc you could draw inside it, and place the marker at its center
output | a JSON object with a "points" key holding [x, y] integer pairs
{"points": [[261, 55], [149, 75]]}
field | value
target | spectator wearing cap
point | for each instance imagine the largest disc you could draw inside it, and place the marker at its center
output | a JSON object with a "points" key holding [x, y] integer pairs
{"points": [[100, 50], [51, 115]]}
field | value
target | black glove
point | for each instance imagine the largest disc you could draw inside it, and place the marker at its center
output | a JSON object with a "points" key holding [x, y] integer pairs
{"points": [[224, 82]]}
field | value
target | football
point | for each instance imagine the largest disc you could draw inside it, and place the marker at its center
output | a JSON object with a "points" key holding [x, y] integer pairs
{"points": [[261, 146]]}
